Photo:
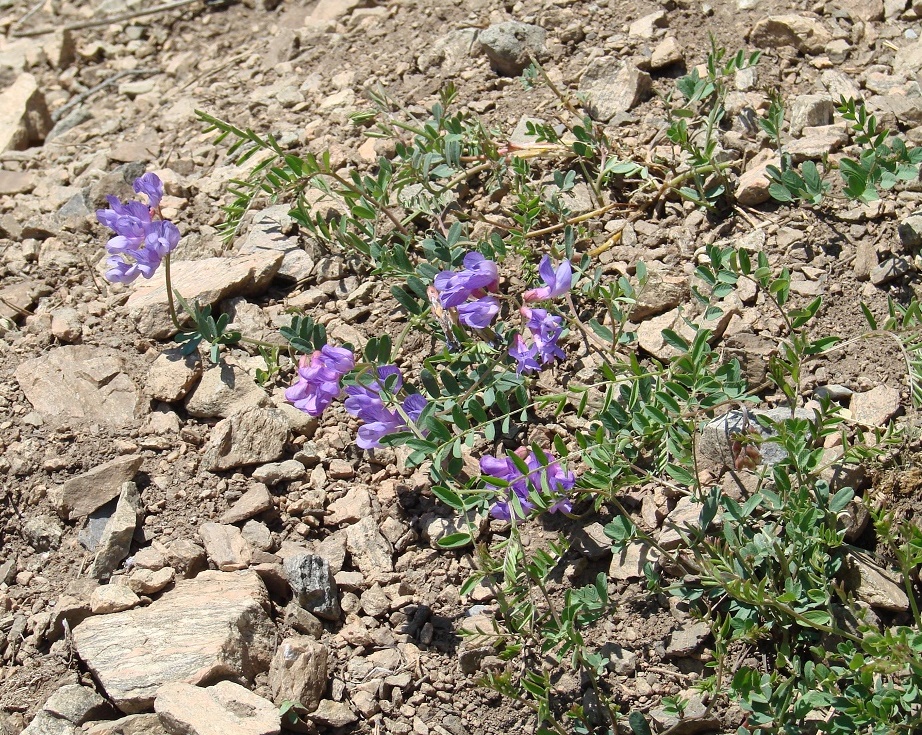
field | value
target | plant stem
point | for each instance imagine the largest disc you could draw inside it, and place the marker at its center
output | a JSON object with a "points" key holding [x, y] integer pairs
{"points": [[169, 292]]}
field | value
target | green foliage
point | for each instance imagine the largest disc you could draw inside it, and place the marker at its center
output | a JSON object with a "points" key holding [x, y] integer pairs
{"points": [[206, 328]]}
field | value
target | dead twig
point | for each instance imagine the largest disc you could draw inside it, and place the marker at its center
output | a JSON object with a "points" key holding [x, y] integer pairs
{"points": [[98, 21]]}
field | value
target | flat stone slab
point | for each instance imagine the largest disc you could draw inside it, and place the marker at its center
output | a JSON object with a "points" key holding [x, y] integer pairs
{"points": [[207, 281], [223, 709], [83, 494], [211, 627], [79, 384]]}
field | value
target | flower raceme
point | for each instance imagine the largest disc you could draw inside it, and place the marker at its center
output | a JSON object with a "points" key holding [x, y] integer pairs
{"points": [[479, 276], [557, 481], [319, 377], [141, 241], [366, 403]]}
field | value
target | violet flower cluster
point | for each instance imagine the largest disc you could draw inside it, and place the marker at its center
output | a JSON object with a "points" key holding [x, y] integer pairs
{"points": [[366, 403], [456, 290], [319, 377], [142, 237], [557, 481]]}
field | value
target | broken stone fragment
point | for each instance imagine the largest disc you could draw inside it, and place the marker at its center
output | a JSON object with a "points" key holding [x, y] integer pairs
{"points": [[116, 538], [172, 374], [313, 585], [299, 672], [24, 117], [215, 625], [223, 709], [85, 493], [250, 436], [509, 46]]}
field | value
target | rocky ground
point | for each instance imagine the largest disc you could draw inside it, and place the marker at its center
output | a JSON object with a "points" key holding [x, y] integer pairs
{"points": [[181, 550]]}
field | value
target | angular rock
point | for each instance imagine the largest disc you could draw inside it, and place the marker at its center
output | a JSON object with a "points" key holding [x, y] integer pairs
{"points": [[79, 384], [313, 586], [225, 389], [112, 598], [620, 661], [684, 517], [335, 9], [172, 374], [254, 501], [333, 714], [810, 110], [146, 724], [116, 539], [66, 325], [667, 52], [85, 493], [17, 298], [686, 640], [76, 704], [186, 557], [45, 723], [478, 640], [43, 532], [267, 232], [646, 26], [353, 506], [817, 142], [299, 672], [24, 118], [225, 546], [890, 270], [215, 625], [752, 185], [371, 552], [609, 93], [873, 584], [509, 44], [876, 406], [805, 34], [276, 472], [629, 562], [910, 231], [150, 581], [223, 709], [661, 293], [451, 51], [16, 182], [250, 436], [206, 281]]}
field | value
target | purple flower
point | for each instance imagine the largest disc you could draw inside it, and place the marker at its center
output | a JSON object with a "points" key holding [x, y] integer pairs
{"points": [[151, 185], [545, 331], [120, 270], [524, 356], [318, 379], [365, 403], [557, 282], [479, 314], [478, 274], [128, 220], [161, 237], [551, 475]]}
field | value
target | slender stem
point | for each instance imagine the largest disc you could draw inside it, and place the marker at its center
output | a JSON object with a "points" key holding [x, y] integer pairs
{"points": [[169, 292]]}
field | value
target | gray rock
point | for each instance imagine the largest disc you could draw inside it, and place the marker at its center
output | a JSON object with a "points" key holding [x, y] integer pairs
{"points": [[215, 625], [207, 281], [254, 501], [45, 723], [620, 661], [43, 532], [116, 538], [371, 552], [76, 704], [479, 637], [172, 374], [890, 270], [810, 110], [876, 406], [629, 562], [686, 640], [452, 51], [873, 584], [257, 534], [24, 118], [225, 389], [146, 724], [225, 546], [250, 436], [223, 709], [333, 714], [661, 293], [313, 585], [509, 44], [609, 92], [276, 472], [302, 621], [910, 231], [269, 232], [79, 384], [299, 672], [82, 495], [805, 34]]}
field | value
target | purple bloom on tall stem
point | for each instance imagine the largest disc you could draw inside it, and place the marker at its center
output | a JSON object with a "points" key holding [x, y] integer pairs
{"points": [[140, 241], [150, 185], [478, 314], [318, 379], [556, 281]]}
